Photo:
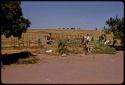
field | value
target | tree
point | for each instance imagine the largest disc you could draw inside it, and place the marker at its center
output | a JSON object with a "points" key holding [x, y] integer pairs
{"points": [[12, 20], [115, 25]]}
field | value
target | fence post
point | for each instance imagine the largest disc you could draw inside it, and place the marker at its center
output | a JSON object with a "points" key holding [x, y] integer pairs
{"points": [[14, 42], [23, 40], [11, 42]]}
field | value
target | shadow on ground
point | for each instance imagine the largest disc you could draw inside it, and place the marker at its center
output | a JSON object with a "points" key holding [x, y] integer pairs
{"points": [[118, 48], [8, 59]]}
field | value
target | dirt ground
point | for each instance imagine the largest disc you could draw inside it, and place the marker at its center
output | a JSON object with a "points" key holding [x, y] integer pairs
{"points": [[72, 69]]}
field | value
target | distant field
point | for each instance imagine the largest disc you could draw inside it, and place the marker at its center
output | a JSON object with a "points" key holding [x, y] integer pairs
{"points": [[31, 37], [35, 34], [63, 33]]}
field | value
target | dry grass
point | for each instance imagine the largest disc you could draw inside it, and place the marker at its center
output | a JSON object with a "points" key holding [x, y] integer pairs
{"points": [[32, 35]]}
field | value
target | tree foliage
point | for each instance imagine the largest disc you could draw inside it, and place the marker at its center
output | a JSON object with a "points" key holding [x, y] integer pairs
{"points": [[115, 25], [13, 22]]}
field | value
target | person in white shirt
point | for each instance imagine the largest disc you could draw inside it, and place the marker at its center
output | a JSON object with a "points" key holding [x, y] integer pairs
{"points": [[88, 38], [86, 42]]}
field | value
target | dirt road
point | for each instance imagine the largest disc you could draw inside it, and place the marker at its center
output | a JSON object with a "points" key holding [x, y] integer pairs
{"points": [[72, 69]]}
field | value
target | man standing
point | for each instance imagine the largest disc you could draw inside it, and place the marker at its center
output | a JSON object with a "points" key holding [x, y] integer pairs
{"points": [[49, 43], [86, 43], [49, 39]]}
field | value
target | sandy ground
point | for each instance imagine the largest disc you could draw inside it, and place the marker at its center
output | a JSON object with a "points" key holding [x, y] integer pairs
{"points": [[72, 69]]}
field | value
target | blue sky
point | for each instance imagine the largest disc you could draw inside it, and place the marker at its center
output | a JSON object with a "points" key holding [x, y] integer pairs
{"points": [[58, 14]]}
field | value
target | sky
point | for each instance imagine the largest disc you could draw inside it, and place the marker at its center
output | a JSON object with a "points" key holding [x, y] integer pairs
{"points": [[78, 14]]}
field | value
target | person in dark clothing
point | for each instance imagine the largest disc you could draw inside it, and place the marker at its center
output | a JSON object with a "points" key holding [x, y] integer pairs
{"points": [[49, 39]]}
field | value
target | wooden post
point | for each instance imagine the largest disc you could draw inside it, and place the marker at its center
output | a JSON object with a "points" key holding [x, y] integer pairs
{"points": [[18, 42], [23, 41], [14, 42], [11, 42], [28, 41]]}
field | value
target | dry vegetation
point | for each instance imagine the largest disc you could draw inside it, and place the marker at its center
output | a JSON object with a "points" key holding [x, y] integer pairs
{"points": [[32, 36], [34, 41]]}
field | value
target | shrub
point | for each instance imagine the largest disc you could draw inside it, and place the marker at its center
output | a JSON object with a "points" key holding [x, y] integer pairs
{"points": [[92, 39], [29, 60], [75, 50], [74, 46], [99, 47], [102, 37], [62, 47]]}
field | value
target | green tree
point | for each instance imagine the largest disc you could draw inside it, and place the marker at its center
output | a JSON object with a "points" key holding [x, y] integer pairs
{"points": [[13, 22], [115, 25]]}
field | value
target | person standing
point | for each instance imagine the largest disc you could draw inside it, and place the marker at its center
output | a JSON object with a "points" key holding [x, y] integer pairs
{"points": [[86, 43], [49, 43], [49, 39]]}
